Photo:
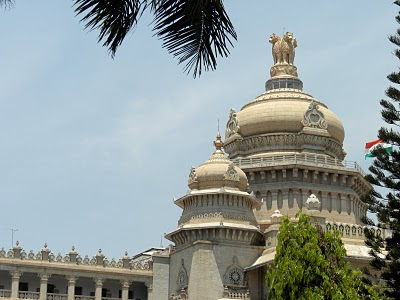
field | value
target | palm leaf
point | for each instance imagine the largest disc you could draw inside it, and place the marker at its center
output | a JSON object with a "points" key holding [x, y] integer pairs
{"points": [[7, 3], [195, 32], [114, 18]]}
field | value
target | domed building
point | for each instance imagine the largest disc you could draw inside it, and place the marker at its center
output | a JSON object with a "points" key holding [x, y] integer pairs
{"points": [[284, 152]]}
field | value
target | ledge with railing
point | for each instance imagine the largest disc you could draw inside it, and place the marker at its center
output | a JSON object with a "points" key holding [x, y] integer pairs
{"points": [[54, 296], [81, 297], [29, 295], [73, 257], [5, 293], [310, 159]]}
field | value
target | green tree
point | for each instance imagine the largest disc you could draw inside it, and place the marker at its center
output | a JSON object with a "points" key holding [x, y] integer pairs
{"points": [[196, 32], [385, 175], [310, 264]]}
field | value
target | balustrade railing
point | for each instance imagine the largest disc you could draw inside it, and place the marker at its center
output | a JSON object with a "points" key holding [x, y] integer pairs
{"points": [[29, 295], [109, 298], [81, 297], [52, 296], [312, 159], [234, 295], [356, 231], [5, 293], [99, 259]]}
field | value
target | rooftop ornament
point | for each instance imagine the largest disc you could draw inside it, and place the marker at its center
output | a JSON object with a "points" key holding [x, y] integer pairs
{"points": [[276, 216], [313, 202], [218, 142], [283, 72]]}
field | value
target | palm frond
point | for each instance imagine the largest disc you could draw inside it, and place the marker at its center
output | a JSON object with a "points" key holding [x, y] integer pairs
{"points": [[114, 18], [7, 3], [195, 32]]}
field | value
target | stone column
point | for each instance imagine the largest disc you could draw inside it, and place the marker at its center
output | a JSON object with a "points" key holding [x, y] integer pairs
{"points": [[99, 288], [274, 195], [71, 287], [149, 285], [295, 200], [125, 289], [15, 275], [285, 201], [44, 278]]}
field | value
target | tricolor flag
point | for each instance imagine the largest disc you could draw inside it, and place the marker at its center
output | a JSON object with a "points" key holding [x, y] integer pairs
{"points": [[371, 146]]}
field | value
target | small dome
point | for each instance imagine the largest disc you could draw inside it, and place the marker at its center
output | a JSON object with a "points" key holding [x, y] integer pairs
{"points": [[217, 172]]}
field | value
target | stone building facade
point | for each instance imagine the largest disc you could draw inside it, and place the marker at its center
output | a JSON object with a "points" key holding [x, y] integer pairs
{"points": [[284, 152]]}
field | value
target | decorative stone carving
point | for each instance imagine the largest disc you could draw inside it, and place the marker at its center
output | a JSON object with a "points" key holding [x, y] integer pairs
{"points": [[231, 173], [283, 48], [98, 281], [283, 52], [71, 279], [15, 274], [313, 117], [295, 142], [234, 274], [276, 216], [44, 277], [313, 202], [182, 281], [192, 176], [125, 283], [232, 124]]}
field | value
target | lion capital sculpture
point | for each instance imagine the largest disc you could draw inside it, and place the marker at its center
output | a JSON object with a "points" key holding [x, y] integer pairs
{"points": [[283, 49]]}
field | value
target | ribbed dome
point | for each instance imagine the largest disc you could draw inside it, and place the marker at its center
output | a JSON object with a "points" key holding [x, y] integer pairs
{"points": [[283, 111], [217, 172], [284, 119]]}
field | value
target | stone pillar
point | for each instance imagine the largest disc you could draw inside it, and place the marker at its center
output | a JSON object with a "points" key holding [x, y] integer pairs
{"points": [[285, 201], [295, 200], [324, 201], [17, 250], [149, 285], [15, 275], [274, 205], [44, 278], [125, 289], [99, 288], [71, 287]]}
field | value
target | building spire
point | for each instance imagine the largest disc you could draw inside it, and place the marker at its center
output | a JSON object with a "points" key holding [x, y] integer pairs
{"points": [[218, 142]]}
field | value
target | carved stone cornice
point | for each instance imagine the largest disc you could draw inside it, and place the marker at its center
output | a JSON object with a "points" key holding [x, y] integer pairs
{"points": [[218, 215], [223, 232], [283, 142]]}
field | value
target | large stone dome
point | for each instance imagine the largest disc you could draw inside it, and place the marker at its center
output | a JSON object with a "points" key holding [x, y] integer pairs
{"points": [[284, 119], [282, 111], [217, 172]]}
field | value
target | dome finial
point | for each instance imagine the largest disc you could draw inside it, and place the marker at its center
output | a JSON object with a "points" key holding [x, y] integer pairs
{"points": [[218, 142], [283, 72], [283, 54]]}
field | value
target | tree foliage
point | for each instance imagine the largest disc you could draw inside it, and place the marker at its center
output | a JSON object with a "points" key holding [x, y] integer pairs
{"points": [[195, 32], [310, 264], [385, 175]]}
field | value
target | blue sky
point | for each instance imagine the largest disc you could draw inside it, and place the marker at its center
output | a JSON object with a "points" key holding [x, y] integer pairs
{"points": [[93, 150]]}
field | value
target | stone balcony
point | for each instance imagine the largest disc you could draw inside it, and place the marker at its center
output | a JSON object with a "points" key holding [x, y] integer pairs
{"points": [[45, 276], [303, 159], [51, 296]]}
